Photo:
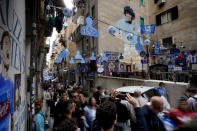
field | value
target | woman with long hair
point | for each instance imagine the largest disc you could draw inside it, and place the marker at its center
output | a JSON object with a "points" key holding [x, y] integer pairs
{"points": [[90, 112]]}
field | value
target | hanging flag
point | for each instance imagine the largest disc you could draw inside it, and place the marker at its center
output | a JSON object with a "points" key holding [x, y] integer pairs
{"points": [[58, 60], [156, 49], [88, 30], [67, 12], [147, 42], [105, 58], [92, 57], [148, 29], [63, 53], [72, 61], [83, 61], [78, 55], [139, 46], [112, 30]]}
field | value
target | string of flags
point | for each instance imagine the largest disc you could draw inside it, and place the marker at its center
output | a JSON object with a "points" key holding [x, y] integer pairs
{"points": [[63, 54], [88, 30], [146, 29]]}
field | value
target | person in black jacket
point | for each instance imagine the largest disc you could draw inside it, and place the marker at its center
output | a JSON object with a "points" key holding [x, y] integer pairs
{"points": [[68, 107], [58, 109], [146, 116], [79, 113], [122, 116], [54, 103]]}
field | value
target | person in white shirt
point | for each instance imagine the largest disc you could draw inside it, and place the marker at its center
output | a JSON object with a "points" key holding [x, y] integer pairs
{"points": [[192, 58]]}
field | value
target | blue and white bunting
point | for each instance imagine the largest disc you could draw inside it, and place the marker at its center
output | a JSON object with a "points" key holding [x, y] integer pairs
{"points": [[148, 29]]}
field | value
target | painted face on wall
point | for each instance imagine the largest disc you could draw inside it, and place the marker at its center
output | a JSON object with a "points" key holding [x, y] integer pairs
{"points": [[5, 54], [128, 17]]}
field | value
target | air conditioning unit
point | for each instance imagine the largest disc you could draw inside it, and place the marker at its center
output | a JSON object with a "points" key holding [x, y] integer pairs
{"points": [[161, 2], [80, 20]]}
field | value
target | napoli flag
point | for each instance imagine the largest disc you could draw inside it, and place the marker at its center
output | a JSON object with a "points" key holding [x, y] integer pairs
{"points": [[148, 29]]}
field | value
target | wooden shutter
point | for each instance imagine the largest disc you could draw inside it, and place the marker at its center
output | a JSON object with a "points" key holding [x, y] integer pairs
{"points": [[158, 19], [174, 13]]}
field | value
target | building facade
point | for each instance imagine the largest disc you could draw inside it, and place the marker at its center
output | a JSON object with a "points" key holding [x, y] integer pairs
{"points": [[175, 22], [105, 14]]}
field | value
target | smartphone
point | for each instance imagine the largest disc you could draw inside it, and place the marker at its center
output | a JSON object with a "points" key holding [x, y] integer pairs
{"points": [[121, 96]]}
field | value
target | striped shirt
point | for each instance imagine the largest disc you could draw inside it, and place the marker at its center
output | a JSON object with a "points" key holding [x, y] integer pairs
{"points": [[192, 59]]}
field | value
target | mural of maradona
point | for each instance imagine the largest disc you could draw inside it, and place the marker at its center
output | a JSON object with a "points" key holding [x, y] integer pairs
{"points": [[127, 30], [6, 85]]}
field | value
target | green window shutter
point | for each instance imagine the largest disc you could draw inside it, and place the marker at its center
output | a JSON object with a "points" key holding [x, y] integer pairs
{"points": [[142, 2], [141, 21], [93, 11]]}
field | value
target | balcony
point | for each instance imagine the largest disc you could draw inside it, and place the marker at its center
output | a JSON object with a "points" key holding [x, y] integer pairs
{"points": [[80, 3]]}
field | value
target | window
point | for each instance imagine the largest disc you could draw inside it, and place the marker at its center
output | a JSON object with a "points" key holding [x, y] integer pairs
{"points": [[167, 42], [174, 13], [167, 16], [141, 2], [93, 11], [141, 21]]}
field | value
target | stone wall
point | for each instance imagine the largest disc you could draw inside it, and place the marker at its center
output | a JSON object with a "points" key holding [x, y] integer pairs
{"points": [[184, 29], [176, 90]]}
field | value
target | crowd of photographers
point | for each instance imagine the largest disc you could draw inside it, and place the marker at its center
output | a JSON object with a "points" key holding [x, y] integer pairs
{"points": [[71, 109]]}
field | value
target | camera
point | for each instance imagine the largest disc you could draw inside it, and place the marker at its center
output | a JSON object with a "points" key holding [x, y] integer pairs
{"points": [[121, 96]]}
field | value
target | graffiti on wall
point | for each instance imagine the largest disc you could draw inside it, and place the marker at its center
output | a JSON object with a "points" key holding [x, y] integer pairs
{"points": [[12, 61]]}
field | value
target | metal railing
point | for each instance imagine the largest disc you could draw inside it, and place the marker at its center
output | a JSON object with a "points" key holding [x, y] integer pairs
{"points": [[171, 76]]}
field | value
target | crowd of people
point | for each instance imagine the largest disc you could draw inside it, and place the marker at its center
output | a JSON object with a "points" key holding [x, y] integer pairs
{"points": [[73, 110]]}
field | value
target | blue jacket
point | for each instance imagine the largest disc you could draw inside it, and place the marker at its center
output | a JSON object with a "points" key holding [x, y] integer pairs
{"points": [[39, 121]]}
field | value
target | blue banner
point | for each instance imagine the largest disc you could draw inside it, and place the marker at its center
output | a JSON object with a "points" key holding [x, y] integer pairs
{"points": [[148, 29], [88, 30], [156, 49], [139, 46]]}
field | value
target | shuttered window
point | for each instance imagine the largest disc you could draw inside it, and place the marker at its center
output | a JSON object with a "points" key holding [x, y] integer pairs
{"points": [[141, 21], [167, 16], [141, 2]]}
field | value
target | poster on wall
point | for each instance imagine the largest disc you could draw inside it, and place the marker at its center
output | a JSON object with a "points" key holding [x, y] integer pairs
{"points": [[128, 30], [110, 67], [6, 84], [122, 67], [17, 91]]}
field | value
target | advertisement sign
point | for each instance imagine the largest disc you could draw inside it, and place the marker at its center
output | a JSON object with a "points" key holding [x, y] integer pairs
{"points": [[17, 91]]}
